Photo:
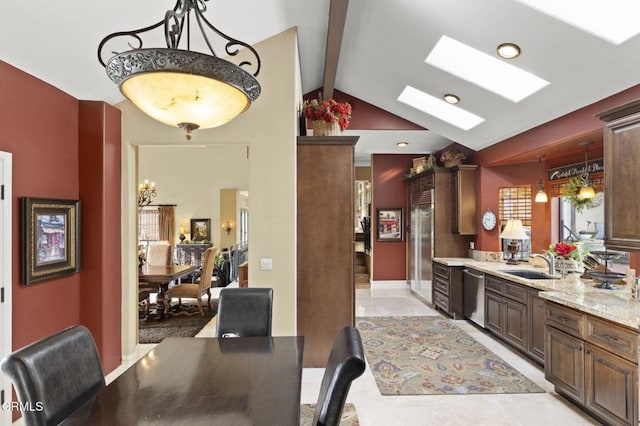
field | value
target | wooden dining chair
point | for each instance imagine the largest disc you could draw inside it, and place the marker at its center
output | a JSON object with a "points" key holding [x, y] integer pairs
{"points": [[194, 290], [55, 375], [346, 363], [157, 254], [244, 312]]}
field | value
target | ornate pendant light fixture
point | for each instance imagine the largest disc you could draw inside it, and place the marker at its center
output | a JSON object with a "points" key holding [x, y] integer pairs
{"points": [[178, 87], [541, 196], [586, 189]]}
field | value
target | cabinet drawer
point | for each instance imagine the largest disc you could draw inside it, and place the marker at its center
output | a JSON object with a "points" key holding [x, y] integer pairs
{"points": [[441, 301], [618, 340], [515, 292], [566, 319], [494, 284], [440, 269], [441, 285]]}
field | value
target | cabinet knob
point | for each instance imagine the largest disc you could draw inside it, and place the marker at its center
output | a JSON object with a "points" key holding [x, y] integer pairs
{"points": [[578, 348]]}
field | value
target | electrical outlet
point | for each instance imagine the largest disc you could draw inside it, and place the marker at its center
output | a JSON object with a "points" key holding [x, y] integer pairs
{"points": [[266, 264]]}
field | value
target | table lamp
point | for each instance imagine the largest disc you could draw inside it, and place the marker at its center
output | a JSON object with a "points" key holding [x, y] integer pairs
{"points": [[513, 231]]}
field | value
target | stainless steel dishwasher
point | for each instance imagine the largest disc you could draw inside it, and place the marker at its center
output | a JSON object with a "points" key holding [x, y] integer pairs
{"points": [[474, 296]]}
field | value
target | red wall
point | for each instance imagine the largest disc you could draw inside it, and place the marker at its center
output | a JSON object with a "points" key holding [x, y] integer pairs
{"points": [[388, 171], [39, 124]]}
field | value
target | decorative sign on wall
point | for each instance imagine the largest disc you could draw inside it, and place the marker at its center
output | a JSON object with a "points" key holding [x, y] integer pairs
{"points": [[566, 172]]}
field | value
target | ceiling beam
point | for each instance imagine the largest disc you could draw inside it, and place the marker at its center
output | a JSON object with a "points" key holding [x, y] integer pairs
{"points": [[335, 30]]}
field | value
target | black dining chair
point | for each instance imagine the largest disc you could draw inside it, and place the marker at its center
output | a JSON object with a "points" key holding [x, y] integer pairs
{"points": [[346, 363], [55, 375], [244, 312]]}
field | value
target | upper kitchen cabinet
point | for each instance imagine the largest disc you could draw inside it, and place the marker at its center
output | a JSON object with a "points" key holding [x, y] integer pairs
{"points": [[463, 200], [621, 176]]}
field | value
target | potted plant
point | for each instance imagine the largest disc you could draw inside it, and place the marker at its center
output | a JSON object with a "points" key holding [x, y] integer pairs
{"points": [[452, 158], [327, 116]]}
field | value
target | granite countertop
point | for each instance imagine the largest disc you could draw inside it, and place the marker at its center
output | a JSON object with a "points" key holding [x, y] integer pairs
{"points": [[572, 291]]}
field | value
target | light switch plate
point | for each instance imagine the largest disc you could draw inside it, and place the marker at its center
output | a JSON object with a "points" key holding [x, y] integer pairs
{"points": [[266, 264]]}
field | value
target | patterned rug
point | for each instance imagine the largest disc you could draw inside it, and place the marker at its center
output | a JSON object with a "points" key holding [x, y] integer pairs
{"points": [[154, 331], [349, 415], [432, 356]]}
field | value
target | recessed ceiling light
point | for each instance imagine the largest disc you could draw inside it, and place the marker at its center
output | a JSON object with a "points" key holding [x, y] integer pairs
{"points": [[615, 21], [508, 50], [402, 144], [484, 70], [451, 98], [438, 108]]}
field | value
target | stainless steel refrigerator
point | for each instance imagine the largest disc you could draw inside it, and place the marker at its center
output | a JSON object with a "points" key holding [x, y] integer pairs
{"points": [[421, 248]]}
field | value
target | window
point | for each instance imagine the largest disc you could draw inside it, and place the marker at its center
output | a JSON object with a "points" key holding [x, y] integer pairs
{"points": [[148, 225], [244, 225], [515, 203]]}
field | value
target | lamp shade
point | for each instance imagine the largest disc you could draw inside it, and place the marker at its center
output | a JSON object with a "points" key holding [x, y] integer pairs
{"points": [[514, 230], [541, 196], [587, 191]]}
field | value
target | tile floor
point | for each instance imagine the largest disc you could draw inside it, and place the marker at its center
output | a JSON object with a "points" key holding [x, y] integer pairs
{"points": [[374, 409]]}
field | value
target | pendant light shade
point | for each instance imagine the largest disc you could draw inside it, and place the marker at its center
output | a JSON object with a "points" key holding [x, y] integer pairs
{"points": [[541, 196], [586, 188], [183, 88]]}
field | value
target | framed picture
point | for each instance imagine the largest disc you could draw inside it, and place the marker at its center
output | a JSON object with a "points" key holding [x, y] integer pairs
{"points": [[50, 238], [201, 230], [389, 225]]}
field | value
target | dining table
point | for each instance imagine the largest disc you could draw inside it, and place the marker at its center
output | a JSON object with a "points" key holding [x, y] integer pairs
{"points": [[196, 381], [157, 278]]}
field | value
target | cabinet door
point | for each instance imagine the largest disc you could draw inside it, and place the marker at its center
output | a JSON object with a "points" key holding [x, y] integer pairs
{"points": [[621, 146], [463, 200], [515, 323], [493, 313], [564, 363], [611, 386], [535, 348]]}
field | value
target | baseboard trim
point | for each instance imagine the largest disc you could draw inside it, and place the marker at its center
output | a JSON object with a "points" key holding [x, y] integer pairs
{"points": [[389, 284]]}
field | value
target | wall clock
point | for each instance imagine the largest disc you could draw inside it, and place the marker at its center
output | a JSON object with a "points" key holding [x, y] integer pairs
{"points": [[489, 220]]}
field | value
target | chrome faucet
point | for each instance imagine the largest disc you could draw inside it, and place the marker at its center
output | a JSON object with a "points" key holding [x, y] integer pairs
{"points": [[550, 259]]}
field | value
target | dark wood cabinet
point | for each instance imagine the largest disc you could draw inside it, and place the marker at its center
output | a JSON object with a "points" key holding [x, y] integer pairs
{"points": [[464, 220], [325, 250], [593, 362], [621, 152], [506, 311], [535, 348], [447, 290]]}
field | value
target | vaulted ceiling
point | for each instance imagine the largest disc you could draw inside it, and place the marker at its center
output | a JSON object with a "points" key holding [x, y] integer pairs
{"points": [[383, 49]]}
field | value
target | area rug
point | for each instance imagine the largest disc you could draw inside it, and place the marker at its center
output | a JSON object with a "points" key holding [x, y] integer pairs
{"points": [[432, 356], [349, 415], [154, 331]]}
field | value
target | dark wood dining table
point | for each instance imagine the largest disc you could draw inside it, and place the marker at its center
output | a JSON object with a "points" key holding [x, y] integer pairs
{"points": [[197, 381], [157, 278]]}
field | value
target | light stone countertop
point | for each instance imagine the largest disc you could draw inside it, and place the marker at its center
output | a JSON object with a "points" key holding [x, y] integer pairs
{"points": [[572, 291]]}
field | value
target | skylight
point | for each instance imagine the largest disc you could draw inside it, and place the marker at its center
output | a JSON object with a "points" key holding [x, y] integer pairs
{"points": [[484, 70], [615, 21], [438, 108]]}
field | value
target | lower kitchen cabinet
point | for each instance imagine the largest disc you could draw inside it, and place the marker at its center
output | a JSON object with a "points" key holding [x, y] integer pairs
{"points": [[506, 311], [535, 347], [593, 362], [447, 290]]}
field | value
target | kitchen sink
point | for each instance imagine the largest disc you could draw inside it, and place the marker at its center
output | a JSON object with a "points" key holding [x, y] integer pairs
{"points": [[532, 275]]}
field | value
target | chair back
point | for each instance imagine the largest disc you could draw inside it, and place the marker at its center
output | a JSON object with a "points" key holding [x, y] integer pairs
{"points": [[346, 363], [207, 269], [244, 312], [55, 375], [159, 254]]}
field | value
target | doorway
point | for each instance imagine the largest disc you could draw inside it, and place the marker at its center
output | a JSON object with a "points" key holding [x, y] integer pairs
{"points": [[5, 278]]}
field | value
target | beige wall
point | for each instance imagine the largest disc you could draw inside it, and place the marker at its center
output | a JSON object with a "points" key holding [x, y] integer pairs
{"points": [[228, 210], [269, 128]]}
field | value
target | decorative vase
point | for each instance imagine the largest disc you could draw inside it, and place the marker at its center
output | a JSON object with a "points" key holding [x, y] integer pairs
{"points": [[322, 128]]}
